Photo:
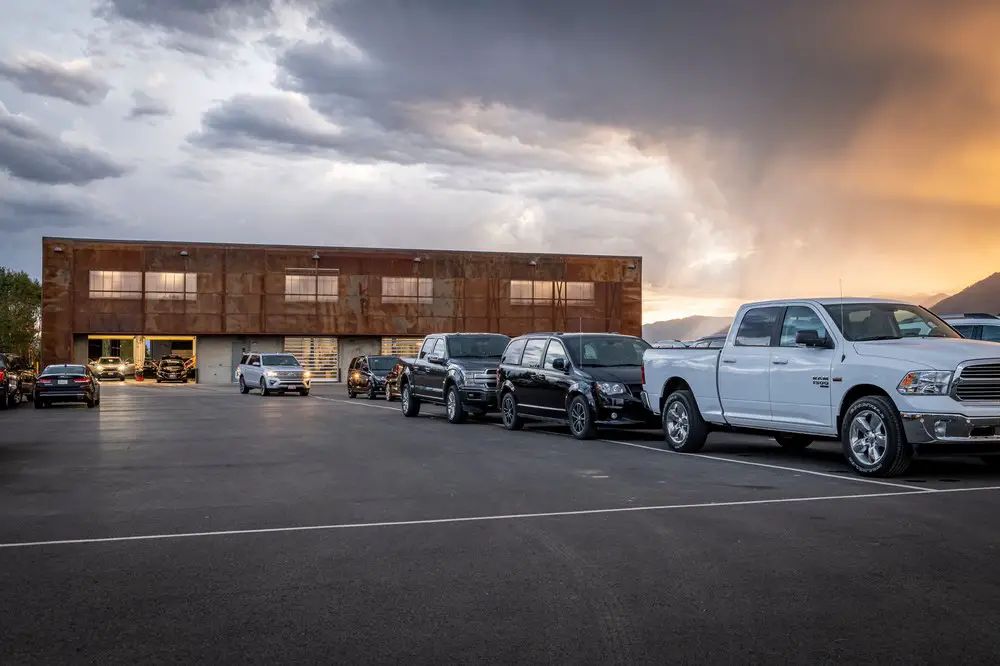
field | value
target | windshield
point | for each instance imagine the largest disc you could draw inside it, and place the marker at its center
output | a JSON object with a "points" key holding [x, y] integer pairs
{"points": [[477, 346], [864, 322], [171, 363], [110, 360], [605, 351], [282, 360], [64, 370], [381, 363]]}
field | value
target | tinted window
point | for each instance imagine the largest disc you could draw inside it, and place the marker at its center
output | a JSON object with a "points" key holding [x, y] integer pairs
{"points": [[427, 347], [555, 350], [800, 318], [967, 331], [440, 348], [65, 370], [757, 327], [861, 322], [605, 351], [280, 360], [512, 355], [243, 361], [533, 353], [991, 333], [477, 346], [381, 363]]}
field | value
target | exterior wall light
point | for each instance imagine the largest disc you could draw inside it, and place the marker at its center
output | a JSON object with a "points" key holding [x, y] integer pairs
{"points": [[184, 253]]}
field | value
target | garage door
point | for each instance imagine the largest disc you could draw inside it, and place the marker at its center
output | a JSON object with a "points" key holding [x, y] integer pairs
{"points": [[318, 355], [401, 346]]}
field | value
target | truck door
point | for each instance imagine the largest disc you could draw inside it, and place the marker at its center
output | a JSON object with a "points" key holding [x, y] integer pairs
{"points": [[418, 371], [744, 368], [800, 376], [436, 371]]}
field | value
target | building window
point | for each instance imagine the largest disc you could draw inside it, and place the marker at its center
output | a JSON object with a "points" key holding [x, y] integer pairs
{"points": [[531, 292], [116, 284], [171, 286], [407, 290], [311, 287]]}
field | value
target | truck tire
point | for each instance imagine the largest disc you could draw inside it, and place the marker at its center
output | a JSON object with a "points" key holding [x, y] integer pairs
{"points": [[581, 418], [453, 406], [792, 441], [684, 430], [873, 438], [409, 404], [508, 412]]}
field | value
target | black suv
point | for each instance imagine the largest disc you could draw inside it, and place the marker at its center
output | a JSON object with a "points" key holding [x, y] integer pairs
{"points": [[457, 370], [582, 379], [367, 374], [17, 380]]}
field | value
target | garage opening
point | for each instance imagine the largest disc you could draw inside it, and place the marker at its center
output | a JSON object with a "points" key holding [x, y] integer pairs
{"points": [[401, 346], [170, 358], [113, 357]]}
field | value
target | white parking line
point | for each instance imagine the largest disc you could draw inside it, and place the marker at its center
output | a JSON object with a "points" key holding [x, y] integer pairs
{"points": [[357, 402], [844, 477], [481, 519]]}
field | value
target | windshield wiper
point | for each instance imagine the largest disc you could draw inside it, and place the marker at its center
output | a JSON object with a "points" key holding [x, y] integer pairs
{"points": [[880, 337]]}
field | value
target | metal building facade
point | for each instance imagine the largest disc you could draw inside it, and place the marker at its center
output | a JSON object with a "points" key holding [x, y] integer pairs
{"points": [[104, 287]]}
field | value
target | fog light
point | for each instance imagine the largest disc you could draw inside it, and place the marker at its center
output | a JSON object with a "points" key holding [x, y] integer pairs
{"points": [[940, 428], [614, 415]]}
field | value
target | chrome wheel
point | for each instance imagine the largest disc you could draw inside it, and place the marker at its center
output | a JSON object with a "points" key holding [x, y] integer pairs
{"points": [[578, 416], [404, 399], [508, 409], [678, 423], [868, 437], [452, 404]]}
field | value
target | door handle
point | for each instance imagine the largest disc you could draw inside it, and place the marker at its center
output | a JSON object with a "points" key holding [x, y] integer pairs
{"points": [[779, 361], [729, 360]]}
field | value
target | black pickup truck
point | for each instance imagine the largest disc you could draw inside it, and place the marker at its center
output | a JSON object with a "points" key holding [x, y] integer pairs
{"points": [[457, 370]]}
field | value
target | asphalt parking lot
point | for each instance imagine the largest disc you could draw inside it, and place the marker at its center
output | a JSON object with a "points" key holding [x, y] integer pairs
{"points": [[190, 523]]}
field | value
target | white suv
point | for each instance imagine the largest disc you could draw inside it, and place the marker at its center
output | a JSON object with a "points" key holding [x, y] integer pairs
{"points": [[976, 325], [272, 373]]}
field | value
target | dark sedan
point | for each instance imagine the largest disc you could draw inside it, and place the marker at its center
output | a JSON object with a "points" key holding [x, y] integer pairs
{"points": [[171, 370], [67, 383]]}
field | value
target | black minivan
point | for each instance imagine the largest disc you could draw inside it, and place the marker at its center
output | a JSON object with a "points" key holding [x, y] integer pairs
{"points": [[583, 379]]}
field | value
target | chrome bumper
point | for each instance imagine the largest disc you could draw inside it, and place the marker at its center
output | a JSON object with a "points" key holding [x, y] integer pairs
{"points": [[951, 428]]}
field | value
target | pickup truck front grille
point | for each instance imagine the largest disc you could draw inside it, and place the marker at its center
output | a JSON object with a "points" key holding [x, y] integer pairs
{"points": [[978, 381], [489, 379]]}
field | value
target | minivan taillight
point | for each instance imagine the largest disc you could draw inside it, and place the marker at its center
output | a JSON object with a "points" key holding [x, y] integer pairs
{"points": [[643, 373]]}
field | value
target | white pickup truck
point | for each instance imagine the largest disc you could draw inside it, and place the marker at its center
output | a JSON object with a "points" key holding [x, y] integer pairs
{"points": [[890, 380]]}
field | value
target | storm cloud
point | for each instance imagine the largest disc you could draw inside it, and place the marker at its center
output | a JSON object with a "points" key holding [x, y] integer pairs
{"points": [[75, 82], [30, 153]]}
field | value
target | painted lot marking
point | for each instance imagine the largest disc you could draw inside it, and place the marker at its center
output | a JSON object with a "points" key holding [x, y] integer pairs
{"points": [[482, 519], [784, 468], [704, 456]]}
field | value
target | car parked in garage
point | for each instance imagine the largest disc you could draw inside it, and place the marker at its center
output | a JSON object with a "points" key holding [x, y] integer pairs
{"points": [[586, 380], [368, 374], [171, 370], [17, 380], [67, 383], [109, 367], [272, 373]]}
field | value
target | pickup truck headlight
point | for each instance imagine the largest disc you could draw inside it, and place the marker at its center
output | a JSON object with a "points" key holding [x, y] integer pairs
{"points": [[925, 382], [610, 388]]}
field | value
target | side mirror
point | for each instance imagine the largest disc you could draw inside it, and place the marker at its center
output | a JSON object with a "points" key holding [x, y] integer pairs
{"points": [[435, 359], [810, 338], [559, 363]]}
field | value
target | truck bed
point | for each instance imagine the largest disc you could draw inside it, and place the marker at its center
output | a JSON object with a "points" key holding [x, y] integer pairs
{"points": [[698, 366]]}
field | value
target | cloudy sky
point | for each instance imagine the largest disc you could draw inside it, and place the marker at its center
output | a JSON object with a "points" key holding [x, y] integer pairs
{"points": [[745, 150]]}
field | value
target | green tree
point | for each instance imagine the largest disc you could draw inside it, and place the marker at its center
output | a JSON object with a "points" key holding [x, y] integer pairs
{"points": [[20, 312]]}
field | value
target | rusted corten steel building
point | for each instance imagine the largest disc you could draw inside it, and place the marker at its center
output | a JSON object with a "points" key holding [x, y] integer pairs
{"points": [[325, 304]]}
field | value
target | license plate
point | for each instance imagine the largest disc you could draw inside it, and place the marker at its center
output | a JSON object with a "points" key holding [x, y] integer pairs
{"points": [[63, 382]]}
